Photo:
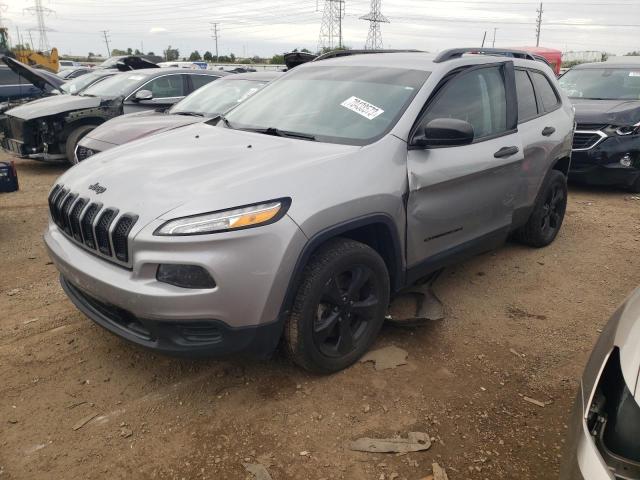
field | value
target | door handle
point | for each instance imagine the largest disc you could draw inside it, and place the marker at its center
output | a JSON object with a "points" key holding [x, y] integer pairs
{"points": [[548, 131], [506, 152]]}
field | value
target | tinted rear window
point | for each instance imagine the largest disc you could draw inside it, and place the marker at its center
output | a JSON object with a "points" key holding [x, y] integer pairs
{"points": [[527, 108], [545, 91]]}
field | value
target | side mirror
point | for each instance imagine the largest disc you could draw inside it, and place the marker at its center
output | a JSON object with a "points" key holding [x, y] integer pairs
{"points": [[446, 132], [142, 95]]}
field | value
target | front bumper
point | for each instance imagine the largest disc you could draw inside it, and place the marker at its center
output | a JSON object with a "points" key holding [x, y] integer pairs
{"points": [[582, 460], [201, 338], [601, 165], [251, 269]]}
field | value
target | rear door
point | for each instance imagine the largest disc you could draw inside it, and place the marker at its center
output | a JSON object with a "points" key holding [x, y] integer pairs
{"points": [[166, 89], [540, 122], [461, 199]]}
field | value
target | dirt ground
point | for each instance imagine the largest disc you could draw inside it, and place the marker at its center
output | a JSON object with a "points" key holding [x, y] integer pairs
{"points": [[519, 322]]}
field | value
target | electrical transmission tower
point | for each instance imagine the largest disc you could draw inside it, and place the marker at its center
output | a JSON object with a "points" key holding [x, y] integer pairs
{"points": [[331, 27], [39, 11], [539, 25], [214, 35], [375, 18]]}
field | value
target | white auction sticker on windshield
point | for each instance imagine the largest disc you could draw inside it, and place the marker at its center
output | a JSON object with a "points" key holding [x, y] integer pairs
{"points": [[366, 109]]}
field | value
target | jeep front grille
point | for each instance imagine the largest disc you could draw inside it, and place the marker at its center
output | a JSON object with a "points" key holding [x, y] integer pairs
{"points": [[101, 230]]}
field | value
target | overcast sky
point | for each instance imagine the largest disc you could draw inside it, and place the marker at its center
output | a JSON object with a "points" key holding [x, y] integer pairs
{"points": [[265, 27]]}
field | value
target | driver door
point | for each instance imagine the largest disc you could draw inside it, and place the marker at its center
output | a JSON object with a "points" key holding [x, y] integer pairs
{"points": [[166, 90], [461, 198]]}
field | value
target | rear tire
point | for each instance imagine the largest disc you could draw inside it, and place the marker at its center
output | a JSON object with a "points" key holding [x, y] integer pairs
{"points": [[548, 213], [339, 307], [72, 141]]}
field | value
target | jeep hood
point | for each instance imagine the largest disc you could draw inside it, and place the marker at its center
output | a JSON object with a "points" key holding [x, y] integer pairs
{"points": [[126, 128], [53, 105], [611, 112], [45, 81], [202, 168]]}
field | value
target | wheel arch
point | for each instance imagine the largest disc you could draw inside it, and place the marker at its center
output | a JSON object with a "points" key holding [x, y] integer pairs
{"points": [[562, 165], [378, 231], [79, 122]]}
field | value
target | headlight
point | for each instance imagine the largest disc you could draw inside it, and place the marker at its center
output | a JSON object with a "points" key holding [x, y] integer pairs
{"points": [[628, 130], [225, 220]]}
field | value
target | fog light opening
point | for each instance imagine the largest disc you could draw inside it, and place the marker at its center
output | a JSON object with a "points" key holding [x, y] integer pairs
{"points": [[626, 160], [185, 276]]}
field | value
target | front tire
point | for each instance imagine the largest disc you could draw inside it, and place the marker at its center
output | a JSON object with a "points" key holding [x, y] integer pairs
{"points": [[72, 141], [548, 213], [339, 307]]}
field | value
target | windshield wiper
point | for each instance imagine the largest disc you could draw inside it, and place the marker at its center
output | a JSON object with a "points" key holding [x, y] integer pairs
{"points": [[190, 114], [276, 132]]}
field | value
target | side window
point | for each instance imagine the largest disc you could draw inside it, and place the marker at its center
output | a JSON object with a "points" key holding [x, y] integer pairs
{"points": [[201, 80], [527, 108], [167, 86], [8, 77], [546, 93], [478, 97]]}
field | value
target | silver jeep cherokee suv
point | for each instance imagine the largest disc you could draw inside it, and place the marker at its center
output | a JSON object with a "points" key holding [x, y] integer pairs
{"points": [[298, 214]]}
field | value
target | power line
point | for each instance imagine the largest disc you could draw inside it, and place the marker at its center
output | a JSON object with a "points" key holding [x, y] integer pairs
{"points": [[375, 18], [331, 26], [539, 25]]}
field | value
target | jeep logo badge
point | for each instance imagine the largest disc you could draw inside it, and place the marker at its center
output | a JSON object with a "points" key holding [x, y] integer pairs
{"points": [[96, 187]]}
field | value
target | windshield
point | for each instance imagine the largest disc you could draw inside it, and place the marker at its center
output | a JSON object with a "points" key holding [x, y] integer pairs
{"points": [[76, 85], [602, 83], [218, 97], [117, 86], [352, 105]]}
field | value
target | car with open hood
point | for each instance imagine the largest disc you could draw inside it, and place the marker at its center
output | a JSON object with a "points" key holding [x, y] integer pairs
{"points": [[606, 144], [22, 81], [49, 128], [297, 214], [48, 84], [202, 105], [604, 435]]}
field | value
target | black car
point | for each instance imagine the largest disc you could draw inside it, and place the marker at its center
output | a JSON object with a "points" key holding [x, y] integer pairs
{"points": [[606, 144], [49, 128]]}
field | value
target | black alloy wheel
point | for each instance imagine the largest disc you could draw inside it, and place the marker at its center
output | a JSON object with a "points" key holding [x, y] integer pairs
{"points": [[348, 306]]}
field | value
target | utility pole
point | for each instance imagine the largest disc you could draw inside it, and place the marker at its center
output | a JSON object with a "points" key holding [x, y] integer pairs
{"points": [[214, 35], [106, 40], [483, 39], [539, 25], [39, 11], [375, 18], [30, 39], [493, 44], [331, 26]]}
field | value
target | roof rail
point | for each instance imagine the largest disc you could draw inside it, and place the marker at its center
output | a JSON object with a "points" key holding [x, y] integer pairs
{"points": [[344, 53], [452, 53]]}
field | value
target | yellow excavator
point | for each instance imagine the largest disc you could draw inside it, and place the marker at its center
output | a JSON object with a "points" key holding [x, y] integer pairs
{"points": [[48, 60]]}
